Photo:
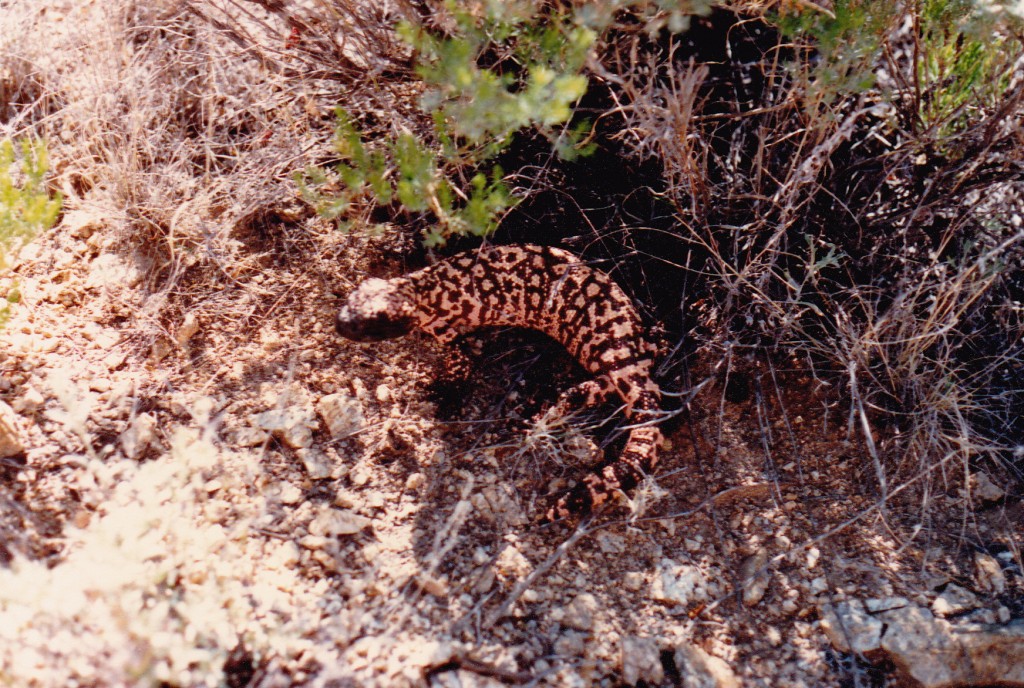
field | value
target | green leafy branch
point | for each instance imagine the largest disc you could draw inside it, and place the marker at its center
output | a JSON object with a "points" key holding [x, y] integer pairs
{"points": [[476, 110], [501, 66], [26, 207]]}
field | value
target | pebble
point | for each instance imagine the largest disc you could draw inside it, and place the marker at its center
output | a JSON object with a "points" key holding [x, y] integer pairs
{"points": [[633, 580], [433, 585], [702, 670], [983, 488], [313, 541], [512, 564], [954, 600], [485, 581], [326, 559], [680, 584], [82, 223], [318, 466], [289, 494], [754, 577], [571, 644], [270, 340], [114, 360], [988, 573], [415, 481], [341, 413], [641, 661], [187, 329], [139, 435], [333, 522], [345, 500], [251, 437], [293, 425], [579, 614], [30, 400], [11, 443], [99, 384]]}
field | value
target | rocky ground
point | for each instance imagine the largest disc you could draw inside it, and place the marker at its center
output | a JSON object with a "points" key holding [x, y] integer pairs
{"points": [[204, 485], [269, 501]]}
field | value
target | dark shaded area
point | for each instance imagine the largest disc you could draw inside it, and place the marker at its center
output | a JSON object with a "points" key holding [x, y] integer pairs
{"points": [[239, 668]]}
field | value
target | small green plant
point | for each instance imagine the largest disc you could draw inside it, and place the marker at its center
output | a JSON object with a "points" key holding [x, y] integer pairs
{"points": [[963, 64], [535, 82], [26, 207], [409, 171]]}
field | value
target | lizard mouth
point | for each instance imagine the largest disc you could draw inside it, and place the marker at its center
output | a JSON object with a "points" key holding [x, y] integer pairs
{"points": [[369, 329]]}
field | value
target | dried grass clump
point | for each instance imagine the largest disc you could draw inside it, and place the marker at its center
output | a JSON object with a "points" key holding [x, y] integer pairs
{"points": [[871, 230], [182, 124]]}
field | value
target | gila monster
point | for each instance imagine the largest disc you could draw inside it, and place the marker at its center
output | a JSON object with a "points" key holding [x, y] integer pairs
{"points": [[545, 289]]}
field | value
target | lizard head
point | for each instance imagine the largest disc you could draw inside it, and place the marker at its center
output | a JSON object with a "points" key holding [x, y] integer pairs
{"points": [[378, 309]]}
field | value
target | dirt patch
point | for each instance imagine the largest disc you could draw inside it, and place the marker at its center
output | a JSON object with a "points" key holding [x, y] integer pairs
{"points": [[216, 489], [403, 538]]}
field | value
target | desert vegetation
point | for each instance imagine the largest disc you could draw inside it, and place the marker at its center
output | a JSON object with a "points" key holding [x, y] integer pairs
{"points": [[816, 207]]}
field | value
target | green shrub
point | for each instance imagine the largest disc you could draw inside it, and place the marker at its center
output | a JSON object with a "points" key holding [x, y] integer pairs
{"points": [[503, 68], [26, 207]]}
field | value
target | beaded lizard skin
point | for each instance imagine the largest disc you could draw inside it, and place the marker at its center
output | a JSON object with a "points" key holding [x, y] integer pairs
{"points": [[545, 289]]}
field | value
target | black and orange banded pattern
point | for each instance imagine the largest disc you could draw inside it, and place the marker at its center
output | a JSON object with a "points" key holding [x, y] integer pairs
{"points": [[545, 289]]}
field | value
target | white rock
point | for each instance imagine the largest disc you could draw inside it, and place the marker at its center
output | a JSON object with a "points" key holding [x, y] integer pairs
{"points": [[139, 435], [99, 384], [83, 222], [641, 661], [11, 443], [188, 327], [289, 494], [415, 481], [698, 669], [633, 580], [341, 413], [333, 522], [933, 654], [850, 628], [313, 541], [928, 652], [885, 604], [610, 543], [109, 270], [988, 573], [270, 340], [986, 490], [30, 401], [579, 613], [954, 600], [114, 360], [250, 437], [292, 425], [680, 584], [497, 504], [511, 563], [754, 577], [318, 466]]}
